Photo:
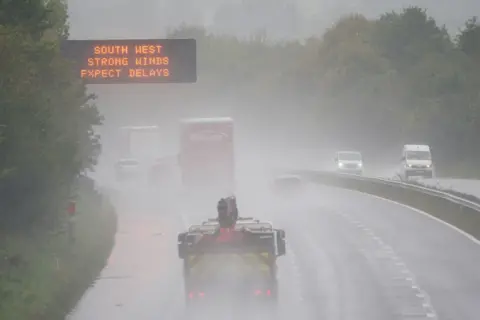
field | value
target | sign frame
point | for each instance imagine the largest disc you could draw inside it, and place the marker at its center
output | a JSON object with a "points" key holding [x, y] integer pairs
{"points": [[131, 61]]}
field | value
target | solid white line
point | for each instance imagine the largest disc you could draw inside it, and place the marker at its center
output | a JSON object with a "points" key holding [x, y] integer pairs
{"points": [[465, 234]]}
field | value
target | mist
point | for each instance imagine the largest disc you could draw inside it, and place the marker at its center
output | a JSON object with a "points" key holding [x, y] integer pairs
{"points": [[266, 65], [149, 18], [284, 21]]}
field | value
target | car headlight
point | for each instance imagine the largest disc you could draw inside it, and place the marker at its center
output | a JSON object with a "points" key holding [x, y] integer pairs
{"points": [[429, 165], [340, 164], [408, 165], [360, 165]]}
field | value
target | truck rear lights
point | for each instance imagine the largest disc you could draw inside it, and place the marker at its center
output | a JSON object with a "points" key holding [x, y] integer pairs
{"points": [[192, 295], [259, 292]]}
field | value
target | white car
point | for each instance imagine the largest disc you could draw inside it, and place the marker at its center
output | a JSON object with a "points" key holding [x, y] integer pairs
{"points": [[127, 169], [349, 162], [416, 162]]}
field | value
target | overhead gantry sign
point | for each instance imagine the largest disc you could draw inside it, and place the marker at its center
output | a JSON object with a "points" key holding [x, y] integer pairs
{"points": [[133, 61]]}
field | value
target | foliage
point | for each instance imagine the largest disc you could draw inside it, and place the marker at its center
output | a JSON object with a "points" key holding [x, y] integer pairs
{"points": [[46, 117], [42, 276], [46, 145], [369, 84]]}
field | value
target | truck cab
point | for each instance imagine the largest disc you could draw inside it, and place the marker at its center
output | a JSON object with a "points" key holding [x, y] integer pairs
{"points": [[416, 161]]}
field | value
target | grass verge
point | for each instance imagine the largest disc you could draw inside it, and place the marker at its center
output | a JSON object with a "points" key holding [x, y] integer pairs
{"points": [[42, 276]]}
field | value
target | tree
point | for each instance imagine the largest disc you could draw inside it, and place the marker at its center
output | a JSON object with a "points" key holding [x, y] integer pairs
{"points": [[405, 38], [48, 118], [468, 41], [369, 84]]}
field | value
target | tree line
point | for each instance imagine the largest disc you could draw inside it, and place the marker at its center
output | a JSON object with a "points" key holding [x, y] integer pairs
{"points": [[46, 116], [370, 84]]}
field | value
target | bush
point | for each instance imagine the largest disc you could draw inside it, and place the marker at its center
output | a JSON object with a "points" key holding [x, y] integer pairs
{"points": [[42, 276]]}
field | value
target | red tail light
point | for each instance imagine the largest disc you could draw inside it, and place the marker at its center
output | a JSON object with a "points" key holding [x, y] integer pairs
{"points": [[192, 295], [259, 292]]}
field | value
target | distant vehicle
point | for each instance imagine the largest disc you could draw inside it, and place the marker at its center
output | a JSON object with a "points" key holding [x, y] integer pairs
{"points": [[157, 171], [127, 169], [206, 157], [140, 142], [287, 184], [349, 162], [416, 161], [162, 171]]}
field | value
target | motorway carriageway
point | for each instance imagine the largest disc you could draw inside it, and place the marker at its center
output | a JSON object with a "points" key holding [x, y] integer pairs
{"points": [[350, 256]]}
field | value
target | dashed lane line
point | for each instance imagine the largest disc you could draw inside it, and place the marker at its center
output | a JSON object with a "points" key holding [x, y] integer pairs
{"points": [[451, 226], [401, 281]]}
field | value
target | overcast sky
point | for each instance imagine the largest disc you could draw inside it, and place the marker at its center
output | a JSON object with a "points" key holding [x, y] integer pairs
{"points": [[150, 18]]}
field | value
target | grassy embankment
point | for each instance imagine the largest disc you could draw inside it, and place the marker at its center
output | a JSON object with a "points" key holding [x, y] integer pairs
{"points": [[43, 276]]}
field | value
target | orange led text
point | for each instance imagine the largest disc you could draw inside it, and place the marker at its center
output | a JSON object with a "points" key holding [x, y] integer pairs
{"points": [[100, 73], [148, 49], [148, 73], [105, 50], [107, 62]]}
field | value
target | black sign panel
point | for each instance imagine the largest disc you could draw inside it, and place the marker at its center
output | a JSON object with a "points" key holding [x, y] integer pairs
{"points": [[133, 61]]}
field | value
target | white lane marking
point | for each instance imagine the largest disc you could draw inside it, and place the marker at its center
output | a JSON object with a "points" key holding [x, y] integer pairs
{"points": [[407, 275], [333, 310], [296, 276], [451, 226], [296, 273]]}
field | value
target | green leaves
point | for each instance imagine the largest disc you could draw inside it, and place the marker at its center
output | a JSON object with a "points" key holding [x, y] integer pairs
{"points": [[468, 41], [47, 116], [379, 82]]}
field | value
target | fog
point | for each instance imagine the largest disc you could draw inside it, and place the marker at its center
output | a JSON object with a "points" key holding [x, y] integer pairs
{"points": [[151, 105], [285, 18], [266, 143]]}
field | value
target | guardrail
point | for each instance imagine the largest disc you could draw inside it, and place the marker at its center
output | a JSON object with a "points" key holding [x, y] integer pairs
{"points": [[460, 212]]}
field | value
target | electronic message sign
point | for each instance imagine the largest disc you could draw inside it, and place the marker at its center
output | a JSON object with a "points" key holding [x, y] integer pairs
{"points": [[133, 61]]}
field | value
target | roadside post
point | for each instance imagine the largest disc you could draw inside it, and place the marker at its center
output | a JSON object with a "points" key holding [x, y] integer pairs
{"points": [[71, 210]]}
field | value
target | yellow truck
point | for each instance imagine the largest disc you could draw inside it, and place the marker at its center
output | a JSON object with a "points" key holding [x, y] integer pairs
{"points": [[236, 264]]}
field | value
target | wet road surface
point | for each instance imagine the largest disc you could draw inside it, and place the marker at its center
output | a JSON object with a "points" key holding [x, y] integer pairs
{"points": [[350, 256]]}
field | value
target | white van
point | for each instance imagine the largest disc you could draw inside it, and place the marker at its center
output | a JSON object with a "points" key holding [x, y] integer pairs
{"points": [[349, 162], [416, 162]]}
